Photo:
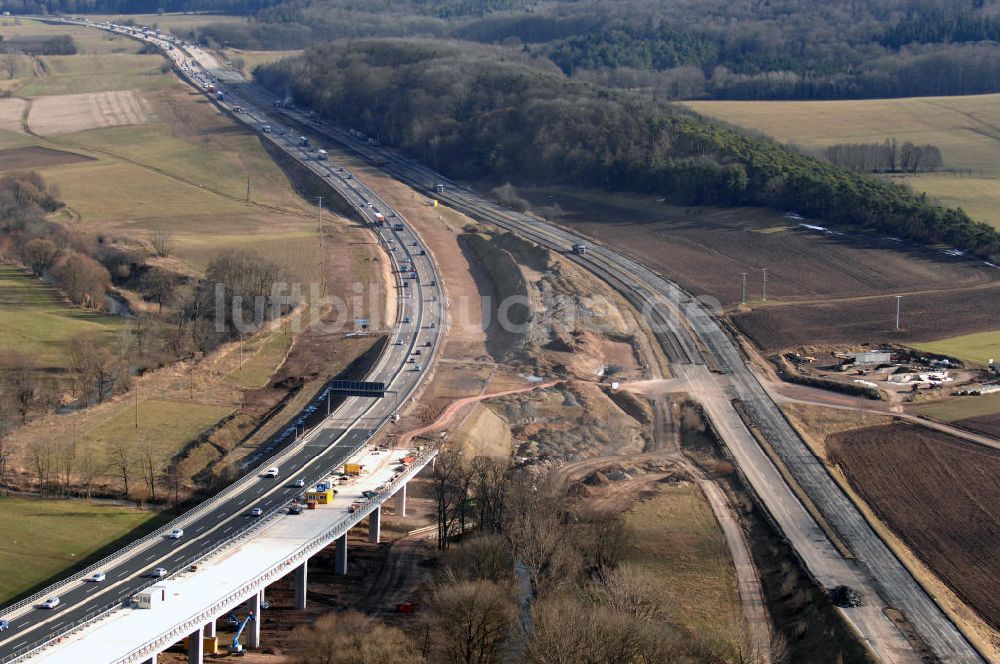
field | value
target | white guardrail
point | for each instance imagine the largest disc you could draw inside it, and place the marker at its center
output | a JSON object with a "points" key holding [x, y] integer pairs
{"points": [[278, 570]]}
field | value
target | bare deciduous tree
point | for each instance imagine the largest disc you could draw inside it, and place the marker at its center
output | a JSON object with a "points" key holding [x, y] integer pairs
{"points": [[470, 622], [89, 469], [121, 461], [352, 638], [162, 240], [39, 255], [450, 481], [151, 462]]}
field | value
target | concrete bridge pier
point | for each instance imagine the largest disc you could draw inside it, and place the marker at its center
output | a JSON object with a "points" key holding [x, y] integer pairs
{"points": [[253, 628], [301, 581], [375, 525], [340, 555], [196, 646], [210, 630], [401, 500]]}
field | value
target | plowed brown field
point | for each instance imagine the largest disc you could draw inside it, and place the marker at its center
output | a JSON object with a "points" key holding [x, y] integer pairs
{"points": [[940, 495], [924, 317], [821, 279], [35, 156]]}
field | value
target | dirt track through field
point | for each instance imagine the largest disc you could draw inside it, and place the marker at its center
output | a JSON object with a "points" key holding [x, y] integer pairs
{"points": [[450, 412]]}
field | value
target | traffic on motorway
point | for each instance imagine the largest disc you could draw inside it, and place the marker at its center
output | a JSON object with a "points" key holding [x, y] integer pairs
{"points": [[253, 502]]}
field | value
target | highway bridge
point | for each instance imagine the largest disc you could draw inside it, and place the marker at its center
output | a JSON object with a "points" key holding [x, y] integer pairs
{"points": [[716, 375]]}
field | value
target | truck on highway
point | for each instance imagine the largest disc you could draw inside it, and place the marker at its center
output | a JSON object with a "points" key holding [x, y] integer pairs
{"points": [[322, 155], [379, 219], [210, 88], [579, 249], [439, 188], [303, 141]]}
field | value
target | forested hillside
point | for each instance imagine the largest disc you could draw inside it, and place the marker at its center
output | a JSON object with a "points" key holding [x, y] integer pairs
{"points": [[475, 112], [780, 49]]}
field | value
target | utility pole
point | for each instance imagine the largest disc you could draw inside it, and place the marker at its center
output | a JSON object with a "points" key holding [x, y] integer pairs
{"points": [[898, 298], [322, 256], [743, 291], [248, 189], [763, 291]]}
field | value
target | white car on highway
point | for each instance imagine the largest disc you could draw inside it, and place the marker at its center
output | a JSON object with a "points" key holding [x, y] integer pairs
{"points": [[256, 512], [96, 577], [159, 572], [271, 472], [50, 603], [176, 533]]}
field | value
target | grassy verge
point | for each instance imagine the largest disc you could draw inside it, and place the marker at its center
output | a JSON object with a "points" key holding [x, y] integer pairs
{"points": [[40, 539], [677, 539]]}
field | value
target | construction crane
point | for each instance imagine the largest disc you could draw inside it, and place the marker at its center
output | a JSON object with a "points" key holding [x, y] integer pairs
{"points": [[236, 648]]}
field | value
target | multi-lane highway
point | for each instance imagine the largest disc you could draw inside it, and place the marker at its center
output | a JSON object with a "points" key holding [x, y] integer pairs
{"points": [[695, 342], [413, 344]]}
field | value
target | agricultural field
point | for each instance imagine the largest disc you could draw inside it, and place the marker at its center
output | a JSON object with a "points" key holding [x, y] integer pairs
{"points": [[924, 318], [34, 320], [168, 159], [40, 538], [976, 348], [937, 494], [822, 287], [980, 414], [706, 249], [965, 128]]}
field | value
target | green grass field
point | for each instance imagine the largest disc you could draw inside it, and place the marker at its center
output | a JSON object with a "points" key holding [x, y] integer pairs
{"points": [[961, 408], [41, 538], [170, 423], [976, 348], [73, 74], [35, 321], [676, 538], [966, 129]]}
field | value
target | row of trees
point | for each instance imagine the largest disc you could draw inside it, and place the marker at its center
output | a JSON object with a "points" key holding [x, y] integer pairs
{"points": [[887, 157], [58, 45], [471, 114]]}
